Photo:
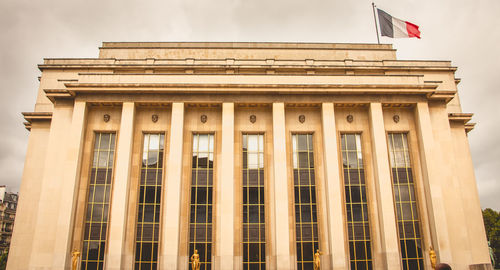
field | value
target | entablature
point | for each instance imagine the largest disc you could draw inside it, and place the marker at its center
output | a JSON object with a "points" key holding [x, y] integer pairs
{"points": [[426, 90]]}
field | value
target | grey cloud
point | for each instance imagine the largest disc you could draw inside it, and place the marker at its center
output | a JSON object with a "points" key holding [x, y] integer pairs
{"points": [[461, 31]]}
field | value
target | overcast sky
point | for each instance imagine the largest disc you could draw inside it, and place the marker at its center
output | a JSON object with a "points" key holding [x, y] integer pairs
{"points": [[465, 32]]}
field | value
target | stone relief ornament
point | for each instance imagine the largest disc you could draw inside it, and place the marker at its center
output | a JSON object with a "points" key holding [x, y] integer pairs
{"points": [[350, 118], [253, 118], [154, 118], [203, 118], [106, 118], [302, 118], [395, 118]]}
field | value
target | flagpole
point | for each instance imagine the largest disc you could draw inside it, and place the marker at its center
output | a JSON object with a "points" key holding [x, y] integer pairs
{"points": [[375, 19]]}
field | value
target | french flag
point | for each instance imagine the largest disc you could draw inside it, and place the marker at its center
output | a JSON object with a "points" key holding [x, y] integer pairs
{"points": [[396, 28]]}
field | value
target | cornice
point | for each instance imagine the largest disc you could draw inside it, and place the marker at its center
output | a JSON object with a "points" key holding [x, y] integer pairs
{"points": [[27, 125], [250, 88], [446, 95], [462, 118], [255, 74], [428, 90], [52, 94], [31, 117], [469, 127], [264, 67]]}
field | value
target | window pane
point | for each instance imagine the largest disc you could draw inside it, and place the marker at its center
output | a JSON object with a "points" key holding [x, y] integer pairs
{"points": [[154, 142], [252, 143], [203, 143]]}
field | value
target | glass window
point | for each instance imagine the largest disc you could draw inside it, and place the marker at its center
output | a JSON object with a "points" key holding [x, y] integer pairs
{"points": [[254, 232], [356, 203], [306, 221], [96, 220], [148, 217], [200, 220], [405, 202]]}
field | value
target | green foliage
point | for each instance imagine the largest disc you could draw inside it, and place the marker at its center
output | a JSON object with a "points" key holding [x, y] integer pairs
{"points": [[3, 259], [492, 224]]}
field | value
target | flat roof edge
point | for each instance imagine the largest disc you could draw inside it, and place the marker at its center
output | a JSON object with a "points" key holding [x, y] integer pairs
{"points": [[247, 45]]}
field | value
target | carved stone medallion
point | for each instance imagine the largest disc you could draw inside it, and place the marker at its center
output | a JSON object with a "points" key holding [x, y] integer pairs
{"points": [[203, 118], [395, 118], [154, 118], [350, 118], [302, 118], [253, 118], [106, 118]]}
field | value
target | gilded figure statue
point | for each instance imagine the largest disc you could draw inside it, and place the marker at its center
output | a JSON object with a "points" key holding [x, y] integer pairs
{"points": [[433, 257], [195, 260], [317, 260], [75, 255]]}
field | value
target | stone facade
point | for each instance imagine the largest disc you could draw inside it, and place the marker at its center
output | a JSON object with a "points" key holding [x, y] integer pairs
{"points": [[230, 90]]}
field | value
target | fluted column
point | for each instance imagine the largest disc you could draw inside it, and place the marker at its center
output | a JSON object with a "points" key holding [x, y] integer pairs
{"points": [[281, 200], [172, 189], [336, 229], [385, 199], [119, 198]]}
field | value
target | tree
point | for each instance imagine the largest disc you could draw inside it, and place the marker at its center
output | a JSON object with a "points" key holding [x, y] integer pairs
{"points": [[492, 225], [3, 259]]}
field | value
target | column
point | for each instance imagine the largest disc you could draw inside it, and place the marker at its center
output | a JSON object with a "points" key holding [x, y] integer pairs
{"points": [[225, 202], [120, 190], [69, 187], [336, 229], [385, 199], [172, 190], [431, 177], [281, 200]]}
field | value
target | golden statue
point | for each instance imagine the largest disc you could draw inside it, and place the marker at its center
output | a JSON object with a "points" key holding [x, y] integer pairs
{"points": [[433, 257], [317, 260], [74, 259], [195, 260]]}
